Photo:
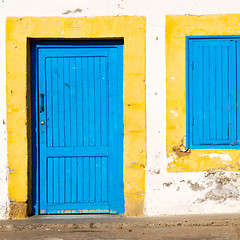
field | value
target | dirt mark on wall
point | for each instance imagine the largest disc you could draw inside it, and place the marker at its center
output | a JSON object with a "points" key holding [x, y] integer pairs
{"points": [[221, 187], [78, 10], [182, 150], [167, 184], [195, 186]]}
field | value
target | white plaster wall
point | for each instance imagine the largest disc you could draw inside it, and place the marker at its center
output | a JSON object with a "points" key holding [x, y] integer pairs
{"points": [[178, 197], [3, 135]]}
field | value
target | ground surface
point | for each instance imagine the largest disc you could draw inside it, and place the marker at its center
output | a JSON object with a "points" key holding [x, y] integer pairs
{"points": [[93, 227], [174, 232]]}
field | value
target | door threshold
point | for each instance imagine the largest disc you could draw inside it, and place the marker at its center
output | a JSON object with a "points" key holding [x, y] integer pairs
{"points": [[76, 216]]}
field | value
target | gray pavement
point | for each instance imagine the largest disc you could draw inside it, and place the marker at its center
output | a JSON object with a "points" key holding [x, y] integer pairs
{"points": [[177, 232], [225, 226]]}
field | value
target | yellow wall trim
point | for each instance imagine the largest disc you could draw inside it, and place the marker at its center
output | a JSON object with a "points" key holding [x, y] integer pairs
{"points": [[132, 29], [177, 27]]}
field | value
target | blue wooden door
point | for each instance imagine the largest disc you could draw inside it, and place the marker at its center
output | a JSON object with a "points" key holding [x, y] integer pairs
{"points": [[80, 127]]}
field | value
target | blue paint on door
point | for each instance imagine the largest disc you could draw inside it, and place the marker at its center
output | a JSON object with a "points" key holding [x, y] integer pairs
{"points": [[212, 92], [77, 127]]}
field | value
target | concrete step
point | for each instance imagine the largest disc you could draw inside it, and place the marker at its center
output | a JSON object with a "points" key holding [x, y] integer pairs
{"points": [[103, 222]]}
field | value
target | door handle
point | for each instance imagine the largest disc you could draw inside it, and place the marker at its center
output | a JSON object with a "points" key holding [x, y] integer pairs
{"points": [[42, 103]]}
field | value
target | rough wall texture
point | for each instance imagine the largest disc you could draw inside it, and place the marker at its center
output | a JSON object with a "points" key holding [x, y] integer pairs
{"points": [[166, 192], [17, 210], [199, 193], [177, 28], [132, 30]]}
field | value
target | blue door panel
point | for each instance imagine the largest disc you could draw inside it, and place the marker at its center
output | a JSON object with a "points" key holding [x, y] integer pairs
{"points": [[79, 125], [212, 92]]}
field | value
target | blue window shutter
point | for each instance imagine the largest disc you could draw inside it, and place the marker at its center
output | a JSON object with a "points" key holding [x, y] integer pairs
{"points": [[212, 84]]}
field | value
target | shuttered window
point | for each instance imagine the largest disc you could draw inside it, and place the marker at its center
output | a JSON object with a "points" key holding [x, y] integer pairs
{"points": [[212, 93]]}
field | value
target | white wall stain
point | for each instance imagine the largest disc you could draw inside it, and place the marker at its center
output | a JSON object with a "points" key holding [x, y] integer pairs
{"points": [[174, 113], [4, 202], [225, 158]]}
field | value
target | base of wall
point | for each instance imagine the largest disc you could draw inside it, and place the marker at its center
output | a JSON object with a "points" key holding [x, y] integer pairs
{"points": [[18, 210], [209, 192]]}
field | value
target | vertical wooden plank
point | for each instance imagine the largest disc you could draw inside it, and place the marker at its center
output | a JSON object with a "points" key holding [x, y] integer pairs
{"points": [[97, 101], [196, 82], [85, 102], [104, 179], [91, 103], [225, 92], [50, 182], [86, 179], [190, 118], [238, 91], [49, 102], [67, 105], [104, 101], [60, 98], [113, 134], [200, 94], [68, 172], [92, 130], [80, 178], [56, 180], [206, 111], [219, 90], [120, 206], [232, 89], [79, 92], [42, 129], [213, 94], [61, 180], [55, 101], [61, 120], [74, 179], [35, 133], [92, 179], [73, 102], [98, 179]]}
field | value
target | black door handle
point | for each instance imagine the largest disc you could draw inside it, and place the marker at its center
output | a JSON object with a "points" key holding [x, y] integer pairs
{"points": [[42, 103]]}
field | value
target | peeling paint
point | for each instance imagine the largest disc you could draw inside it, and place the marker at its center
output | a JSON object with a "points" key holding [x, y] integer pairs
{"points": [[78, 10], [67, 85], [167, 184], [196, 186], [196, 192], [174, 113], [155, 171], [137, 164], [182, 150], [221, 187], [225, 158]]}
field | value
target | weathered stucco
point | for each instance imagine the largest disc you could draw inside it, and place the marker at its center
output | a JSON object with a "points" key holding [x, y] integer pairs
{"points": [[132, 30], [194, 193], [177, 28], [191, 181], [173, 177]]}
